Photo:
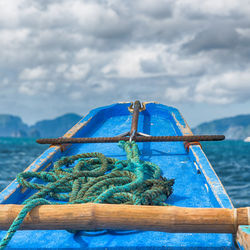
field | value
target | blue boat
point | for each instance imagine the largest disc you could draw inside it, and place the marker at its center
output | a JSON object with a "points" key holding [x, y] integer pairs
{"points": [[196, 183]]}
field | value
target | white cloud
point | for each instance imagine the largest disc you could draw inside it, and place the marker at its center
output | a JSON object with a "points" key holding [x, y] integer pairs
{"points": [[33, 73], [177, 94], [244, 32], [61, 68], [37, 88], [13, 37], [210, 7], [224, 88], [77, 72], [127, 63], [97, 19], [9, 12]]}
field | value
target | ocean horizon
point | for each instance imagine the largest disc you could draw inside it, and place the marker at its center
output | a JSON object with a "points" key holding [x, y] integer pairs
{"points": [[230, 159]]}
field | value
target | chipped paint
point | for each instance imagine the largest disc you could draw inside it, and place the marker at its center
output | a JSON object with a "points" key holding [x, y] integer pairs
{"points": [[243, 237], [184, 128], [76, 128], [212, 179], [205, 167], [41, 160], [196, 166], [46, 167]]}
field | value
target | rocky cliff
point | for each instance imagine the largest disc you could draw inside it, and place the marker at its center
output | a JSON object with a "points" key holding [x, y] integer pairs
{"points": [[13, 126], [234, 128]]}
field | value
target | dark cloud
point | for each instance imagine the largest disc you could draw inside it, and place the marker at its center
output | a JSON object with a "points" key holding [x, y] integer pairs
{"points": [[217, 36], [158, 9]]}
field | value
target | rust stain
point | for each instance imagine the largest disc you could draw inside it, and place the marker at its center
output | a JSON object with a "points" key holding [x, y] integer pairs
{"points": [[188, 144], [64, 147], [24, 190]]}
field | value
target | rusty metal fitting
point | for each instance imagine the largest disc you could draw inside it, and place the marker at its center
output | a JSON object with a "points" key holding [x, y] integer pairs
{"points": [[187, 144], [190, 138], [142, 106]]}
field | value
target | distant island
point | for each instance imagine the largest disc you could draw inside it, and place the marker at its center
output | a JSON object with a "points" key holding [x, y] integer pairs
{"points": [[13, 126], [234, 128]]}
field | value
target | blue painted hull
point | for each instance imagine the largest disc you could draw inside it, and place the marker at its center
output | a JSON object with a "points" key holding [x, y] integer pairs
{"points": [[196, 184]]}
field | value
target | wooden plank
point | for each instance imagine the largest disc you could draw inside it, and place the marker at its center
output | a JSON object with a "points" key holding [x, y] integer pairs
{"points": [[92, 216]]}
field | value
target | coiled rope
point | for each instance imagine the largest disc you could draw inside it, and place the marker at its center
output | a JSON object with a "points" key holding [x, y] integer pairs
{"points": [[92, 177]]}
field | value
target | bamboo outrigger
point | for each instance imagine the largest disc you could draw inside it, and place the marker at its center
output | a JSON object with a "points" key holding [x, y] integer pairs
{"points": [[91, 216]]}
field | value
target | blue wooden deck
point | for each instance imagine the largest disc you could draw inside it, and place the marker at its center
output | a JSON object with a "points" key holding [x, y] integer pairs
{"points": [[196, 184]]}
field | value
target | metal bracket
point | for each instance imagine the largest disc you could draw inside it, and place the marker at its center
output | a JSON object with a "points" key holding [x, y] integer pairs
{"points": [[142, 108]]}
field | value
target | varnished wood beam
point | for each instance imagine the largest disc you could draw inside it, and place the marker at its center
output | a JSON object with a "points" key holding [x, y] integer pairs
{"points": [[128, 217]]}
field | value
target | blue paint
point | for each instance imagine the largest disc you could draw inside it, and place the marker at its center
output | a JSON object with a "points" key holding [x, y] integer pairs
{"points": [[245, 229], [190, 190], [240, 246]]}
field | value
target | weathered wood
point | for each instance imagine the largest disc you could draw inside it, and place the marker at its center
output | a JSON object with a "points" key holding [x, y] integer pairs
{"points": [[243, 236], [127, 217]]}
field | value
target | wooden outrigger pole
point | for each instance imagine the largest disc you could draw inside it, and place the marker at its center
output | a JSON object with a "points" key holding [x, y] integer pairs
{"points": [[93, 216]]}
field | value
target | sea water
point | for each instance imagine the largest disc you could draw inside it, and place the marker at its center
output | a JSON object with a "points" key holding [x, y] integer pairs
{"points": [[230, 159]]}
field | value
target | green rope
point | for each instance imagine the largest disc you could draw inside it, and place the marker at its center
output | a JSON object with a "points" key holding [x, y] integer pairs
{"points": [[92, 177]]}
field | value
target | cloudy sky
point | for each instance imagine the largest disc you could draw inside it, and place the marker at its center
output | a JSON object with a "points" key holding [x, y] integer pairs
{"points": [[59, 56]]}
